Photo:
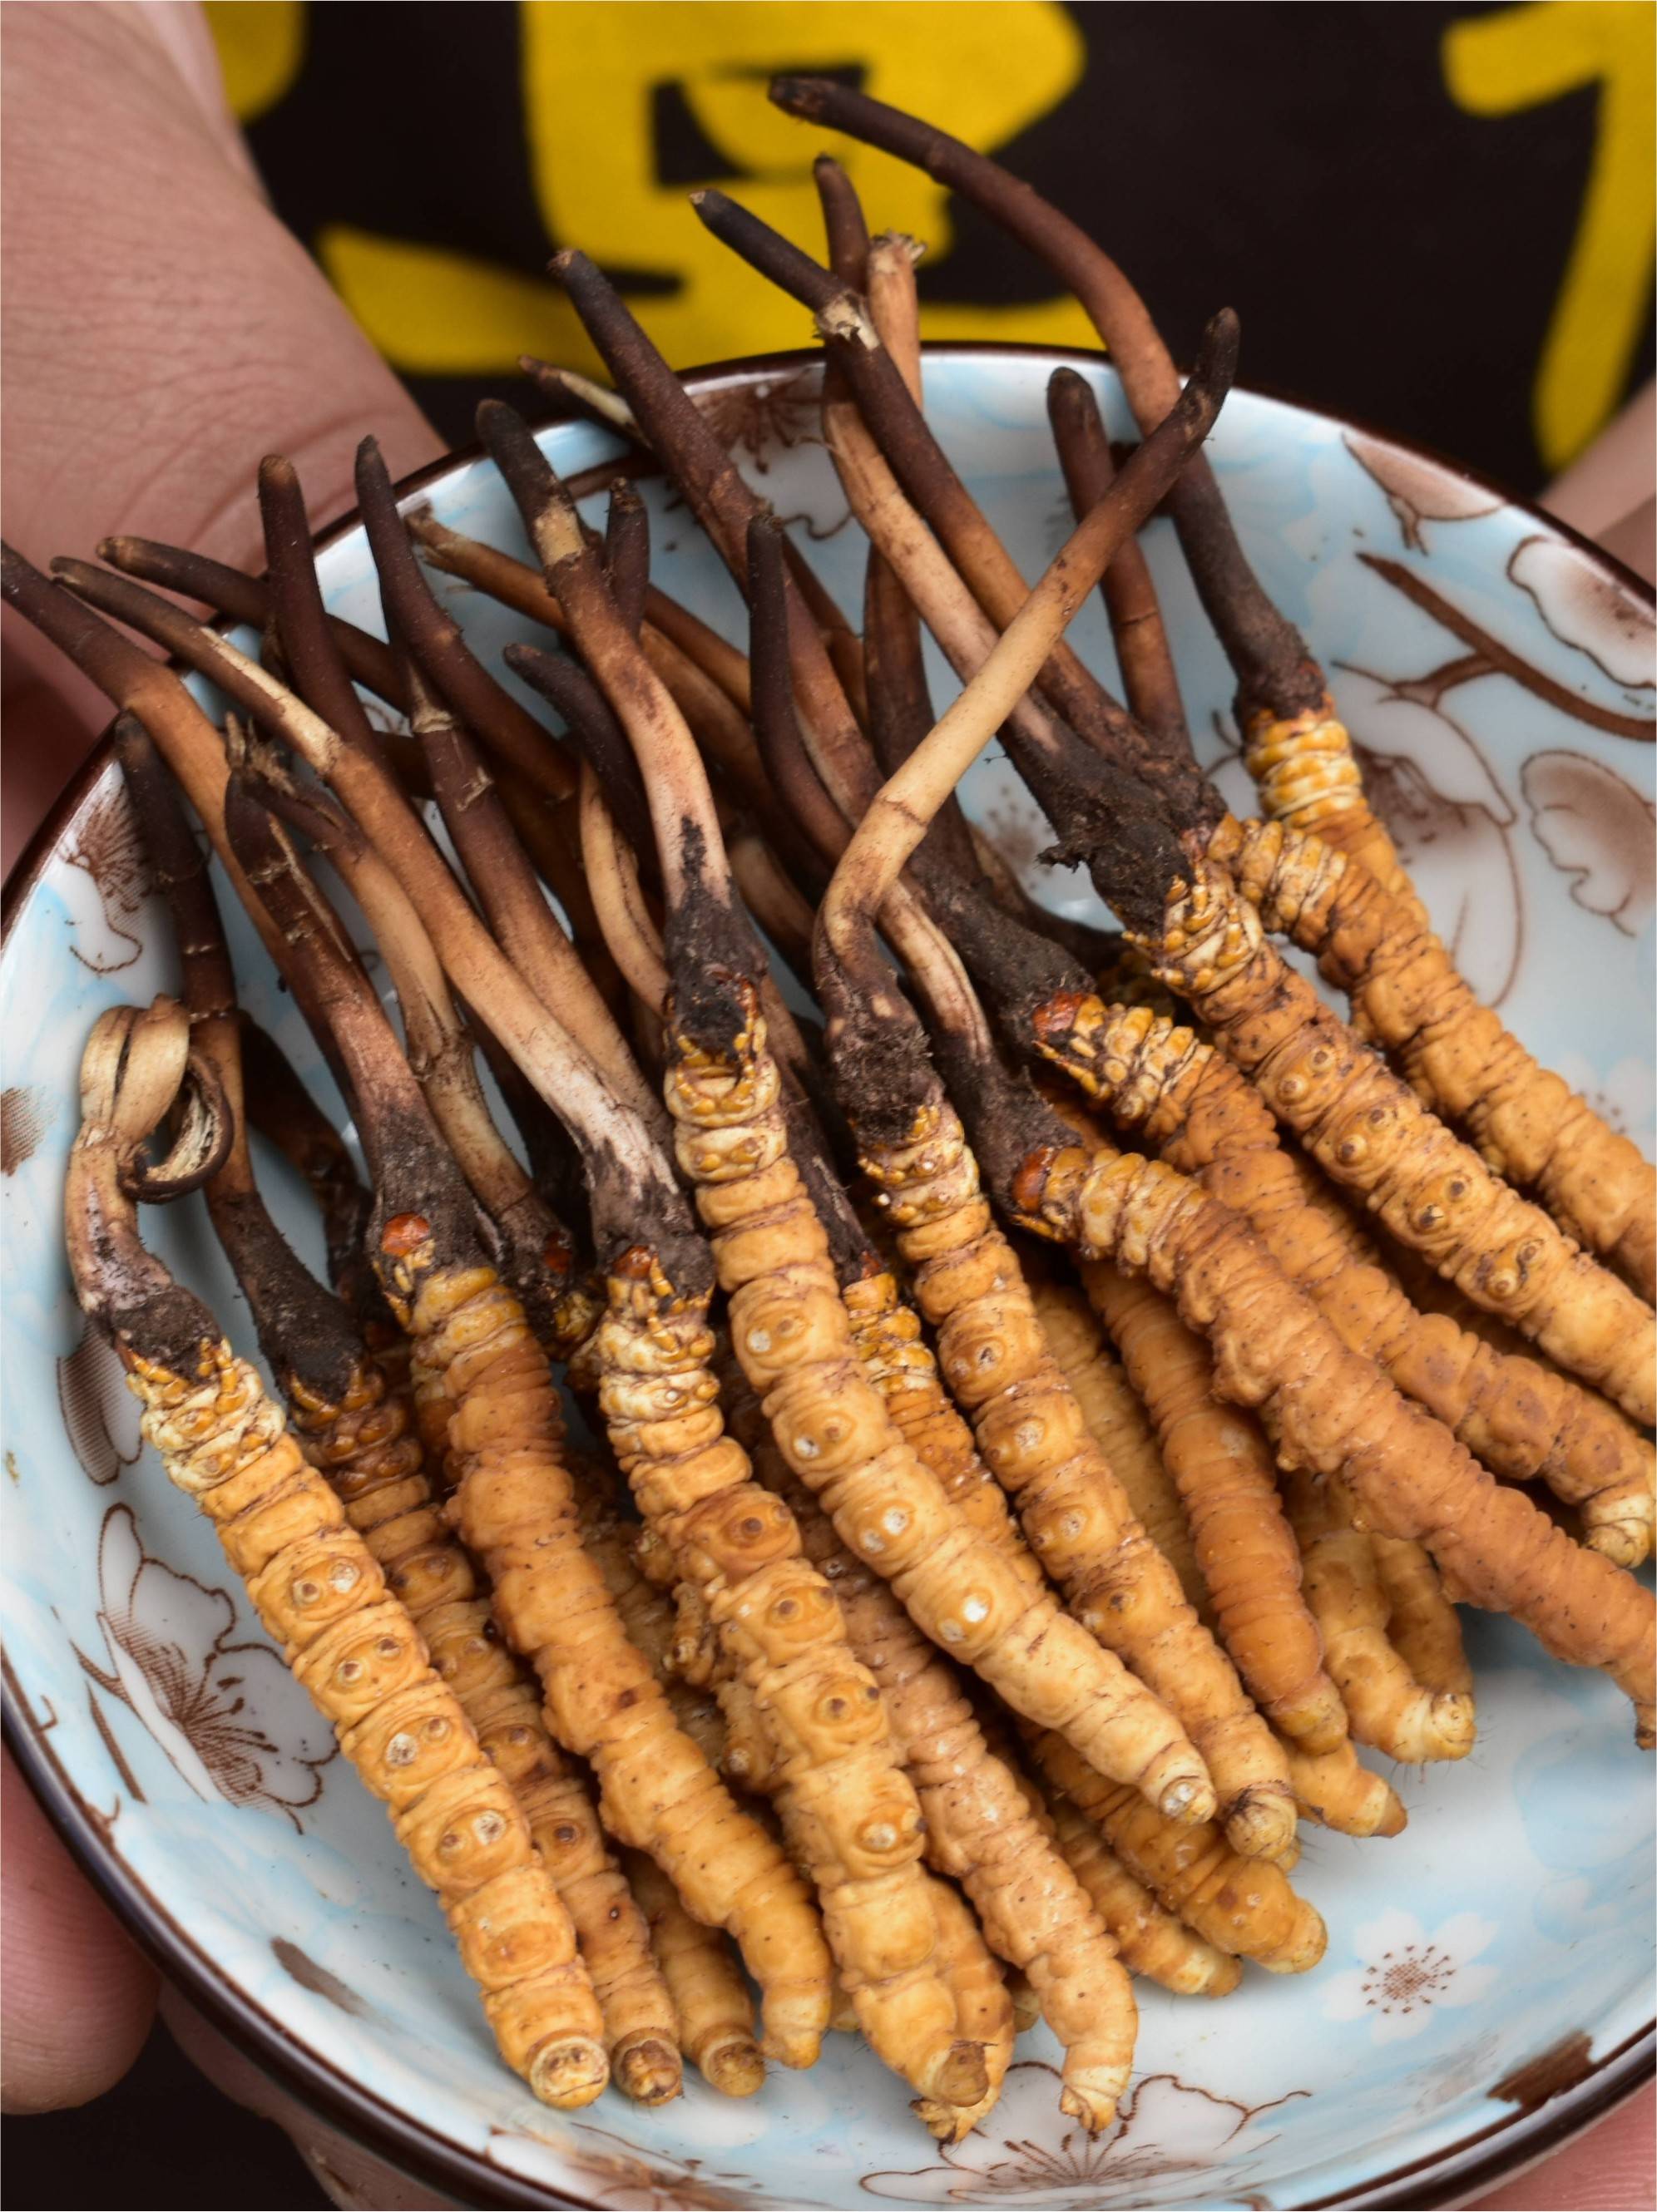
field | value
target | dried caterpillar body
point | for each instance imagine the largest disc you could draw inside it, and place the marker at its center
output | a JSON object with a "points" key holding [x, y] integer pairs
{"points": [[792, 1336], [1309, 779], [710, 1997], [899, 1361], [1337, 1790], [1369, 1131], [1152, 1942], [1244, 1907], [1421, 1622], [516, 1512], [1074, 1513], [1226, 1478], [1121, 1429], [979, 1827], [1335, 1414], [1389, 1709], [983, 2007], [320, 1592], [647, 1614], [366, 1449], [1372, 941], [1520, 1417], [848, 1809]]}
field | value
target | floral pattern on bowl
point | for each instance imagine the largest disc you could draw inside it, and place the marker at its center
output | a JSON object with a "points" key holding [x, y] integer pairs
{"points": [[1489, 1972]]}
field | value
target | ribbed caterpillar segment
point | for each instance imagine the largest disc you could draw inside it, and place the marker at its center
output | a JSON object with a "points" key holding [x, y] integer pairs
{"points": [[602, 1700], [1389, 1709], [980, 1828], [1308, 778], [321, 1594], [1406, 993], [1227, 1480], [791, 1335], [1522, 1418], [1153, 1940], [1334, 1413], [1121, 1427], [1336, 1789], [1075, 1514], [1367, 1130], [367, 1449], [899, 1361], [716, 2018], [977, 1984], [1244, 1907], [848, 1809]]}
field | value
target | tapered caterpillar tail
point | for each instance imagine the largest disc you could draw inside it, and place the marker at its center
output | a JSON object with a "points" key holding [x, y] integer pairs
{"points": [[1335, 1789], [1335, 1412], [1121, 1427], [1369, 1131], [975, 1981], [1244, 1907], [366, 1449], [1204, 1117], [848, 1809], [517, 1513], [1153, 1940], [980, 1829], [1074, 1512], [1227, 1481], [792, 1336], [1374, 942], [1389, 1709], [1421, 1622], [710, 1997]]}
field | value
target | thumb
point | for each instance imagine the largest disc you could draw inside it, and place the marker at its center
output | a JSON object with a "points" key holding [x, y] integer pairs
{"points": [[76, 1997]]}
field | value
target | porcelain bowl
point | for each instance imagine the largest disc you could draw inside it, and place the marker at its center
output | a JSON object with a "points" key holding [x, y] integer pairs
{"points": [[1488, 1982]]}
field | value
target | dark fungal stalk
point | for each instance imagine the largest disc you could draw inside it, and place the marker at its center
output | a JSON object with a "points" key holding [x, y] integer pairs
{"points": [[306, 1333], [1149, 676], [1273, 667], [712, 953], [412, 1171], [843, 319], [247, 598], [626, 1173]]}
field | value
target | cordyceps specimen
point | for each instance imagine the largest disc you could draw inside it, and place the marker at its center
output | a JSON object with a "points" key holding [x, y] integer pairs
{"points": [[787, 1326], [1368, 927], [355, 1427], [517, 1512], [970, 1597], [514, 1493], [1330, 1409], [850, 1816], [1430, 1191], [314, 1580], [1029, 1428]]}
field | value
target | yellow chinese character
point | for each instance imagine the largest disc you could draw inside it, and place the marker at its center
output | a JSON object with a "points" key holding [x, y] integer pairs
{"points": [[592, 75], [1519, 58]]}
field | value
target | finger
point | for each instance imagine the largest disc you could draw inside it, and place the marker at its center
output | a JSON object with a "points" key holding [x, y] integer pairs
{"points": [[76, 1997], [1611, 2168], [350, 2174], [163, 332]]}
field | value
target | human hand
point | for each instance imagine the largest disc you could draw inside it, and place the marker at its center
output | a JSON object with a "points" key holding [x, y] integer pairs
{"points": [[163, 332]]}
